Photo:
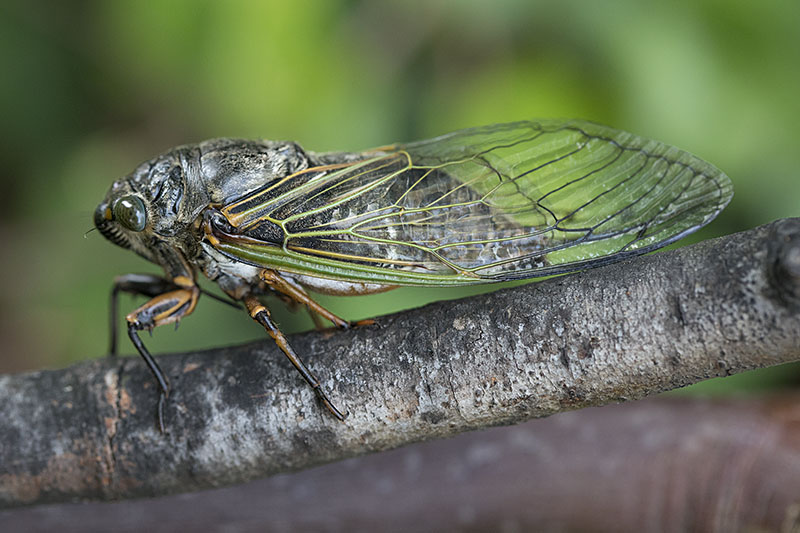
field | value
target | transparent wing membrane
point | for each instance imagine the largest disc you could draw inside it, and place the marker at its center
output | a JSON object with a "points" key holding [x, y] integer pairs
{"points": [[494, 203]]}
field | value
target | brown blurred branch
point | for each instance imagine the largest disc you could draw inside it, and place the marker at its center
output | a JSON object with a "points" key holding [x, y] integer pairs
{"points": [[606, 335]]}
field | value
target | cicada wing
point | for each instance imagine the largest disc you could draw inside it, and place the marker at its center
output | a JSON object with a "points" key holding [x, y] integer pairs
{"points": [[499, 202]]}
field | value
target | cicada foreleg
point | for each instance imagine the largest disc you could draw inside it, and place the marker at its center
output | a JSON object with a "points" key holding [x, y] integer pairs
{"points": [[283, 286], [167, 308], [261, 315], [144, 284]]}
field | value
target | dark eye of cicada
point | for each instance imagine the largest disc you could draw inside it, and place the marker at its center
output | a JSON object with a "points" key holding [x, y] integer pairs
{"points": [[130, 212]]}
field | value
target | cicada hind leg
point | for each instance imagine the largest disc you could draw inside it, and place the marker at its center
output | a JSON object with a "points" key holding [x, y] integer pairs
{"points": [[295, 293], [261, 315], [292, 292]]}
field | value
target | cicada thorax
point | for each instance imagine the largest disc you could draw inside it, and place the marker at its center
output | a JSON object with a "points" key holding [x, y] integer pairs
{"points": [[230, 169]]}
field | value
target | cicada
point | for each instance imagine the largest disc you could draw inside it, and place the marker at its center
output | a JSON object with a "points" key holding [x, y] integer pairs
{"points": [[481, 205]]}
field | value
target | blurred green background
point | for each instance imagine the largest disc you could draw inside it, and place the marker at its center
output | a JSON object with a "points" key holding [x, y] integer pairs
{"points": [[91, 88]]}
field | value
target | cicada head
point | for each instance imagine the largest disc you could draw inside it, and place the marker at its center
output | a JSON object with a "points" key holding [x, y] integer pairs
{"points": [[154, 205]]}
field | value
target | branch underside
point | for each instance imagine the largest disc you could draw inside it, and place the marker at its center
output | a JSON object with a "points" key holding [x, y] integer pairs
{"points": [[606, 335]]}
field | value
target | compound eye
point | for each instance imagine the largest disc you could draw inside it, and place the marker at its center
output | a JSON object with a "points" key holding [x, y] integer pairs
{"points": [[130, 212]]}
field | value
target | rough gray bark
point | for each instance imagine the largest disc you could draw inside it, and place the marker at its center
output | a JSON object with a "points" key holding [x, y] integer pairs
{"points": [[605, 335], [664, 464]]}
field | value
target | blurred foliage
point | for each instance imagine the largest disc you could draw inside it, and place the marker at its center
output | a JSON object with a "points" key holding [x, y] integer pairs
{"points": [[91, 88]]}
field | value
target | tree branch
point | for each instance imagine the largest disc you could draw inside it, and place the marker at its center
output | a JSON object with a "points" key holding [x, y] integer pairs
{"points": [[606, 335], [664, 464]]}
